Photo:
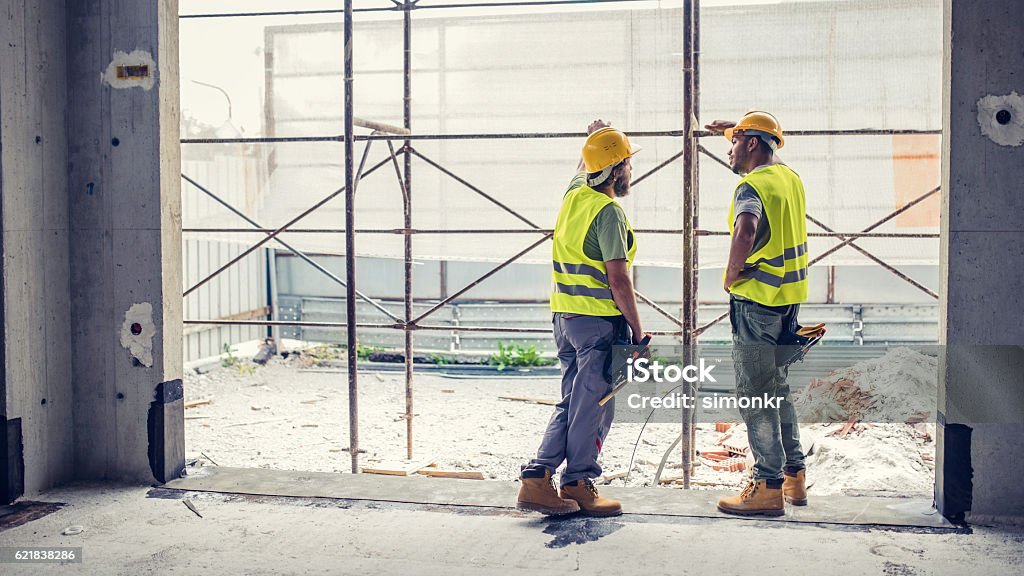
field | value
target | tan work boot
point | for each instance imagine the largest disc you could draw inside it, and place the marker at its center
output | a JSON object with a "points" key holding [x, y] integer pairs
{"points": [[794, 488], [591, 503], [537, 494], [756, 498]]}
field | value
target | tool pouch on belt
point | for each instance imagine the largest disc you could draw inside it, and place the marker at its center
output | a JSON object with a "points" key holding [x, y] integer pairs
{"points": [[795, 343], [622, 350]]}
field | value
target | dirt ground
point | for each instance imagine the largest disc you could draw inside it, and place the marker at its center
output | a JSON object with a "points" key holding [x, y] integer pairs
{"points": [[290, 416]]}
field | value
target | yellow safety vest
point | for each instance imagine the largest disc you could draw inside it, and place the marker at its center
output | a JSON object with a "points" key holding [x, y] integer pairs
{"points": [[579, 285], [780, 266]]}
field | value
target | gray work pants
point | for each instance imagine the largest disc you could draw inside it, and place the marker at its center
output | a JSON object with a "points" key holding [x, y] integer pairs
{"points": [[578, 427], [773, 433]]}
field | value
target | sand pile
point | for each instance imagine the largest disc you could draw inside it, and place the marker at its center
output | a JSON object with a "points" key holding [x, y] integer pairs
{"points": [[884, 439], [896, 388]]}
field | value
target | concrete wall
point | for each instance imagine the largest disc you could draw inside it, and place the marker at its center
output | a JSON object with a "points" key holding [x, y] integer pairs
{"points": [[980, 458], [33, 200], [90, 203]]}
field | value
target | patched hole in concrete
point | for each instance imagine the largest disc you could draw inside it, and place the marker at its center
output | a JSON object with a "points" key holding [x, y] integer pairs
{"points": [[138, 72], [135, 69], [1001, 118], [137, 333]]}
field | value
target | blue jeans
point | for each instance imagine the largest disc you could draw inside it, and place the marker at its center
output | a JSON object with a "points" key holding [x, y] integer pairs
{"points": [[773, 433]]}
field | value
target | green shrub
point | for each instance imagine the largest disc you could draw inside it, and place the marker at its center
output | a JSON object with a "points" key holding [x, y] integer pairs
{"points": [[517, 355]]}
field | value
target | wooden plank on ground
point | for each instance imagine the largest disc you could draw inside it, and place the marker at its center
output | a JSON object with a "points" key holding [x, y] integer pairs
{"points": [[543, 401], [404, 468], [463, 474]]}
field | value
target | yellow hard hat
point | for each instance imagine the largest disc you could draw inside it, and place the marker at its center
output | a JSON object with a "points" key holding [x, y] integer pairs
{"points": [[757, 121], [606, 147]]}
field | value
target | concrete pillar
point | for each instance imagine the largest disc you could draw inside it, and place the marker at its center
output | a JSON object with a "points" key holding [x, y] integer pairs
{"points": [[980, 460], [36, 400], [125, 233]]}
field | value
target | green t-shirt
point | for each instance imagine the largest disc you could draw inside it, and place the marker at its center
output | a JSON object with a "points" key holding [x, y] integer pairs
{"points": [[609, 237]]}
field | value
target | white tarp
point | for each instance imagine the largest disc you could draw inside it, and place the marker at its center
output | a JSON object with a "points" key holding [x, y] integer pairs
{"points": [[815, 65]]}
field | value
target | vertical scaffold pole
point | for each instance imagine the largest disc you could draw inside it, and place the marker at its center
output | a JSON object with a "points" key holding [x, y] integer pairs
{"points": [[689, 283], [350, 250]]}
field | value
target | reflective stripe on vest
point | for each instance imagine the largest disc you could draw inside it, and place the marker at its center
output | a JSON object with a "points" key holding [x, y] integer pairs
{"points": [[777, 273], [602, 293], [585, 269], [579, 284]]}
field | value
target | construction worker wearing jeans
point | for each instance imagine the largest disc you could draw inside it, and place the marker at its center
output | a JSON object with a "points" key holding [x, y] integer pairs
{"points": [[593, 306], [766, 279]]}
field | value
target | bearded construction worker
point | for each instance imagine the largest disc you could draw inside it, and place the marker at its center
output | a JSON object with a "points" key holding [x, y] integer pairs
{"points": [[593, 307], [766, 279]]}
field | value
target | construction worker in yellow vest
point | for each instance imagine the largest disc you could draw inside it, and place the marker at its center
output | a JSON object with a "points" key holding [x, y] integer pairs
{"points": [[766, 279], [593, 307]]}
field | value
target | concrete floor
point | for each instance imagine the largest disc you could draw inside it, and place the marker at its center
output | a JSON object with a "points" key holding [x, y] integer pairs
{"points": [[136, 530]]}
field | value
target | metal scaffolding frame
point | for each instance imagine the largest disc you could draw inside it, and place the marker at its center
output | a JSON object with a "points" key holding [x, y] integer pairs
{"points": [[690, 232]]}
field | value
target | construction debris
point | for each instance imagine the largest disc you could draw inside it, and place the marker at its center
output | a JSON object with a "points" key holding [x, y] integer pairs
{"points": [[735, 441], [73, 530], [608, 478], [543, 401], [192, 507], [724, 461], [198, 403], [268, 349], [846, 427]]}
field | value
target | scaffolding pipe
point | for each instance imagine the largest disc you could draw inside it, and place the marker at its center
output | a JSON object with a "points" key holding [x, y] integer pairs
{"points": [[460, 180], [487, 275], [890, 216], [407, 210], [414, 231], [874, 259], [850, 132], [532, 135], [695, 57], [689, 283], [316, 265], [274, 234], [350, 250], [397, 7], [396, 326], [379, 126]]}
